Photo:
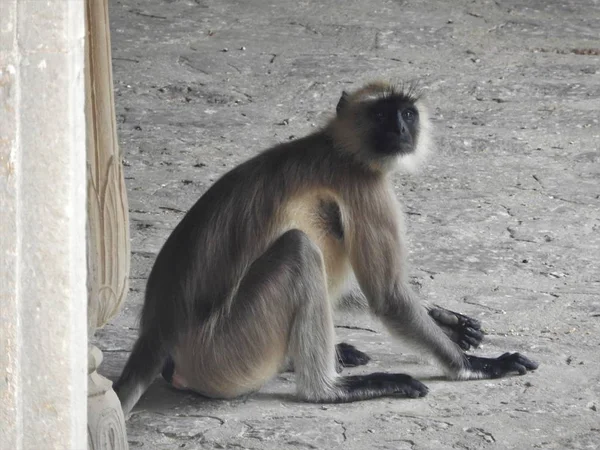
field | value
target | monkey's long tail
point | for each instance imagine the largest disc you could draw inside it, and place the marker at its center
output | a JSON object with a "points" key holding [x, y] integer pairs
{"points": [[144, 364]]}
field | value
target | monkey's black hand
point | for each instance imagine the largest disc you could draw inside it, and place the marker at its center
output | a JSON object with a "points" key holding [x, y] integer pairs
{"points": [[463, 330], [349, 356], [501, 366]]}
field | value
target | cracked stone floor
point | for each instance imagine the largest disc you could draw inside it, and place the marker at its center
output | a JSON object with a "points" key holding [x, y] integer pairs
{"points": [[503, 222]]}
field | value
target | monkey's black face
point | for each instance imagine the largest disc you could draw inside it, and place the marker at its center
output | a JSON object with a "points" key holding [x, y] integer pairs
{"points": [[394, 124]]}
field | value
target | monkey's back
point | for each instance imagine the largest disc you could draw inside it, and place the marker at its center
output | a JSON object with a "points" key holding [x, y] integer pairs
{"points": [[291, 185]]}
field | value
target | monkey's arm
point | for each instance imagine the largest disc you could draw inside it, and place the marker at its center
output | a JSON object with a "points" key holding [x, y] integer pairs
{"points": [[463, 330], [378, 264]]}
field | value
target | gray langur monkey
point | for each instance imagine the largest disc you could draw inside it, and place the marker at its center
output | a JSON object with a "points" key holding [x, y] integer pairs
{"points": [[252, 273]]}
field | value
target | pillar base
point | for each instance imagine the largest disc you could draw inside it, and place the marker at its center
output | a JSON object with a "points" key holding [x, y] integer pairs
{"points": [[106, 423]]}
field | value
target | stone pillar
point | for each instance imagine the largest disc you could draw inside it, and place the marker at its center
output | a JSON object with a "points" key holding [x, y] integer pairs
{"points": [[108, 225], [43, 336]]}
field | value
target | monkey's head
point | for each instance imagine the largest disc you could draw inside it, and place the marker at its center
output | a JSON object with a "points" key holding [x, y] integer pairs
{"points": [[382, 125]]}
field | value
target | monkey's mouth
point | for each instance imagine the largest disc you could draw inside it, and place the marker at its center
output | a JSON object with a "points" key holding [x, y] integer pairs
{"points": [[398, 148], [394, 144], [405, 147]]}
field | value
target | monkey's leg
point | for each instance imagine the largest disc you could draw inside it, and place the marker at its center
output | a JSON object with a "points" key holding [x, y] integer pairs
{"points": [[239, 349], [311, 343], [281, 308], [463, 330]]}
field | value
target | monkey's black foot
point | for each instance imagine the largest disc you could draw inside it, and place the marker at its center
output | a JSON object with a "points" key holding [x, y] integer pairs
{"points": [[362, 387], [349, 356], [499, 367], [463, 330], [168, 370]]}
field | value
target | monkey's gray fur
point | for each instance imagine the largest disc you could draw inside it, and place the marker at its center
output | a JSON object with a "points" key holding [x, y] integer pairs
{"points": [[253, 272]]}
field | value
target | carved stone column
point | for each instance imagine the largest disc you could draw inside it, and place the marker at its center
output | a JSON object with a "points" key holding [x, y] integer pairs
{"points": [[108, 247], [42, 226]]}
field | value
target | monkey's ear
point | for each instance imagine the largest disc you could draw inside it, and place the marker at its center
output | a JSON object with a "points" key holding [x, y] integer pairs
{"points": [[342, 103]]}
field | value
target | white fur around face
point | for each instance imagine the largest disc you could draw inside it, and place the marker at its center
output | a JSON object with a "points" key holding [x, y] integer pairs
{"points": [[412, 161]]}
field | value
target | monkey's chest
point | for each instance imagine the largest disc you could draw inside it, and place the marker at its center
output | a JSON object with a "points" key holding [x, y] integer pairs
{"points": [[319, 216]]}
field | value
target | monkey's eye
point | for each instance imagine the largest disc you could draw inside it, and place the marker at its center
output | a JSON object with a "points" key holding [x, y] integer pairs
{"points": [[409, 115], [379, 116]]}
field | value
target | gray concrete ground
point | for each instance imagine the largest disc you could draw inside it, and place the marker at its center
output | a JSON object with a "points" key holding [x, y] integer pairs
{"points": [[504, 221]]}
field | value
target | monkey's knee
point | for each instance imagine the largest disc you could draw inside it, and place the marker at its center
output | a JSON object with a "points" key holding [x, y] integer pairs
{"points": [[297, 244]]}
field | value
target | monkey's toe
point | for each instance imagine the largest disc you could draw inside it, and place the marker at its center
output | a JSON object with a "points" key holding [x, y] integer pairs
{"points": [[470, 338], [350, 356]]}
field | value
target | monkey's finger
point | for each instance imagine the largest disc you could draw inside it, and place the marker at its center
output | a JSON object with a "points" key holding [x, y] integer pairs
{"points": [[470, 322], [472, 340], [515, 362], [474, 334], [468, 338], [462, 317], [518, 357], [444, 316], [519, 368], [457, 322], [464, 345]]}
